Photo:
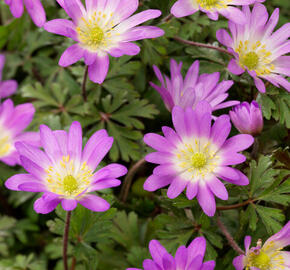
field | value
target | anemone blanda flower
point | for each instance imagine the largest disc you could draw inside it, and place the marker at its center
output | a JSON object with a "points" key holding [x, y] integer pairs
{"points": [[213, 8], [257, 49], [7, 88], [33, 7], [196, 155], [248, 118], [104, 28], [13, 120], [266, 257], [185, 258], [64, 172], [188, 92]]}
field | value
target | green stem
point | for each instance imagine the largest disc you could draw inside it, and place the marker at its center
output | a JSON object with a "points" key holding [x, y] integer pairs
{"points": [[65, 239]]}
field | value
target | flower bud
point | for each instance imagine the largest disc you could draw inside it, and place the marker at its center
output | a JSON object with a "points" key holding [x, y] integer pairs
{"points": [[248, 118]]}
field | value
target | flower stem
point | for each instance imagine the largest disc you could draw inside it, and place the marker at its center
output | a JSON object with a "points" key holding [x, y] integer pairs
{"points": [[234, 206], [129, 178], [84, 91], [197, 44], [230, 239], [65, 239]]}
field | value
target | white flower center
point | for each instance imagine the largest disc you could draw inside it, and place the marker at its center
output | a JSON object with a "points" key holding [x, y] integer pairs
{"points": [[94, 31], [211, 4], [68, 178], [255, 57], [196, 158], [5, 142]]}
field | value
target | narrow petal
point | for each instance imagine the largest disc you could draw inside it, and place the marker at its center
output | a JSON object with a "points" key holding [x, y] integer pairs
{"points": [[157, 251], [71, 55], [45, 206], [220, 130], [238, 262], [238, 143], [7, 88], [155, 182], [94, 203], [178, 120], [182, 8], [224, 38], [206, 200], [15, 181], [137, 19], [35, 186], [75, 141], [210, 265], [191, 189], [61, 27], [99, 69], [235, 68], [36, 11], [234, 14], [176, 187], [68, 205], [158, 142], [218, 188]]}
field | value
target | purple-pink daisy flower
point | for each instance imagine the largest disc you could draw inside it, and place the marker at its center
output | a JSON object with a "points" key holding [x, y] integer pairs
{"points": [[193, 89], [248, 118], [268, 256], [7, 88], [196, 155], [101, 29], [64, 172], [186, 258], [213, 8], [257, 49], [33, 7], [13, 121]]}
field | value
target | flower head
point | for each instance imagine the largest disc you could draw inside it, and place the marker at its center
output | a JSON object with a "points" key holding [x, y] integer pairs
{"points": [[188, 92], [64, 172], [248, 118], [266, 257], [7, 88], [34, 9], [196, 155], [103, 27], [213, 8], [13, 120], [185, 258], [257, 49]]}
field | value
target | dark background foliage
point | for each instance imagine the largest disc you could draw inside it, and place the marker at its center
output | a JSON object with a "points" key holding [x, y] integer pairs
{"points": [[128, 107]]}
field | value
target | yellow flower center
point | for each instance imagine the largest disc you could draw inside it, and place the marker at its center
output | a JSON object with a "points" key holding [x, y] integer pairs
{"points": [[5, 146], [251, 60], [210, 4], [70, 184], [198, 160], [254, 56], [262, 260], [95, 30], [68, 178]]}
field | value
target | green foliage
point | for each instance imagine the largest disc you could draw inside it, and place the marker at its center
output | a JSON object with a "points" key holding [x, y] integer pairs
{"points": [[127, 107]]}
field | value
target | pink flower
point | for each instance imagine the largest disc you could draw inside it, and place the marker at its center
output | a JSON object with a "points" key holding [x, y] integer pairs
{"points": [[101, 29], [213, 8], [257, 49], [269, 256], [64, 172], [196, 155], [13, 120], [186, 258], [193, 89], [248, 118]]}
